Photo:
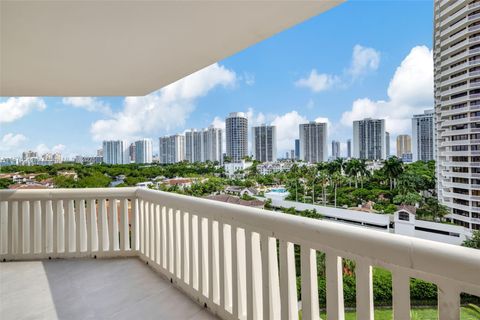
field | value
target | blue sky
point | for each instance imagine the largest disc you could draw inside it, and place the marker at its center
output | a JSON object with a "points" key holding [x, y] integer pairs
{"points": [[362, 58]]}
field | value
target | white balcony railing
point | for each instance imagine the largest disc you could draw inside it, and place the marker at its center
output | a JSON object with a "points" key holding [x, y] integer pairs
{"points": [[225, 256]]}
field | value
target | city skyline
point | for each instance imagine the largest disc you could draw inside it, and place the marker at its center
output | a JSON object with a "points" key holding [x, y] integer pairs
{"points": [[361, 75]]}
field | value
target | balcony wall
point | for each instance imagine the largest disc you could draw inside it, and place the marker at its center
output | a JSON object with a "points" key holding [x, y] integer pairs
{"points": [[238, 262]]}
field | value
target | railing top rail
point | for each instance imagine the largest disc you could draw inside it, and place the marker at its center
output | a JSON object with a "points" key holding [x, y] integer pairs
{"points": [[423, 256], [54, 194]]}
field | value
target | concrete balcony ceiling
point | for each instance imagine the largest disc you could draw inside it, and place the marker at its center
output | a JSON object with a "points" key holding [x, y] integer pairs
{"points": [[120, 48]]}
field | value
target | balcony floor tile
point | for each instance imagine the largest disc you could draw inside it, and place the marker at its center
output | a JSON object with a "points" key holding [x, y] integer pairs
{"points": [[91, 289]]}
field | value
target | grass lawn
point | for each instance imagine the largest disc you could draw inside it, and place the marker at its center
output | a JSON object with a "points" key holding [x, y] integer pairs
{"points": [[417, 314]]}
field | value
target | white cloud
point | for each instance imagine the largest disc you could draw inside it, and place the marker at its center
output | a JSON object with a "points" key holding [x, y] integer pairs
{"points": [[287, 130], [363, 60], [318, 81], [88, 103], [165, 109], [11, 141], [43, 148], [218, 123], [15, 108], [249, 78], [255, 119], [410, 91]]}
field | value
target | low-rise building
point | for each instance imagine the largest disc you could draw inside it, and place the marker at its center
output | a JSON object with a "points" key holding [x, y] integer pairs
{"points": [[240, 191], [274, 167], [236, 169]]}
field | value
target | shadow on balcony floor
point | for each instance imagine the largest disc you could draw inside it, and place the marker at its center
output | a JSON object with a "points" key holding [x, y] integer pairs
{"points": [[91, 289]]}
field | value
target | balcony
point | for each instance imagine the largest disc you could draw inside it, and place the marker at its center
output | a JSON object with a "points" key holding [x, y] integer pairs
{"points": [[219, 256]]}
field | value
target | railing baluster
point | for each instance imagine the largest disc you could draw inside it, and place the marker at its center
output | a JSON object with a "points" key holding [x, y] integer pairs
{"points": [[103, 227], [124, 225], [31, 230], [310, 308], [164, 237], [68, 234], [221, 264], [448, 302], [168, 235], [43, 226], [364, 286], [134, 224], [401, 294], [201, 270], [115, 245], [152, 231], [249, 268], [21, 226], [183, 248], [57, 207], [141, 226], [288, 282], [146, 205], [158, 243], [211, 259], [235, 286], [79, 225], [12, 210], [174, 243], [266, 277], [335, 304], [193, 268], [89, 219]]}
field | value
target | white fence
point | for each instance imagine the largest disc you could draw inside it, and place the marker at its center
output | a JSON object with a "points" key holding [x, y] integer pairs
{"points": [[226, 256]]}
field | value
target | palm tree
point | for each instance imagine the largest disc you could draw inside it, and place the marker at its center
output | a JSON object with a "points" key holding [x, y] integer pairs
{"points": [[393, 167], [341, 163], [336, 179], [323, 176], [363, 171], [352, 169]]}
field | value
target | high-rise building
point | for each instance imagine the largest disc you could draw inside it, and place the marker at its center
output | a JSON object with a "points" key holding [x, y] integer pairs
{"points": [[292, 154], [423, 136], [115, 152], [144, 151], [132, 152], [194, 146], [172, 149], [100, 152], [264, 143], [313, 142], [404, 145], [387, 144], [457, 109], [370, 140], [236, 129], [335, 149], [297, 149], [213, 148], [203, 145], [349, 148], [29, 154]]}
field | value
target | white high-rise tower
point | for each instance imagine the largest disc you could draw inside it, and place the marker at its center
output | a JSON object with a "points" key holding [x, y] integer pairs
{"points": [[115, 152], [457, 109], [264, 143], [236, 129], [143, 151], [313, 142], [370, 140]]}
